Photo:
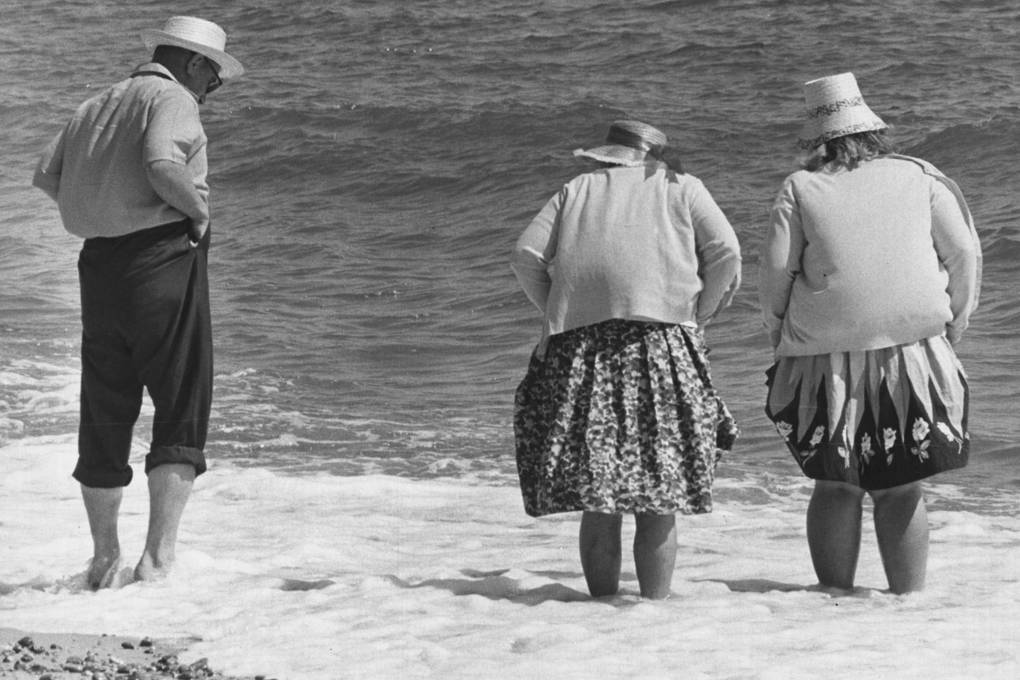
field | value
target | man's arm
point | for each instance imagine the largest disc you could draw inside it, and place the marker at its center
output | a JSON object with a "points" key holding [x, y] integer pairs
{"points": [[47, 172], [173, 183]]}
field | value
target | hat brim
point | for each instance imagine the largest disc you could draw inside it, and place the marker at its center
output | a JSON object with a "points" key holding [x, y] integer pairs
{"points": [[229, 67], [616, 154]]}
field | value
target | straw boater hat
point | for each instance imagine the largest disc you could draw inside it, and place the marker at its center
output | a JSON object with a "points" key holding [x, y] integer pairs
{"points": [[836, 108], [197, 35], [629, 143]]}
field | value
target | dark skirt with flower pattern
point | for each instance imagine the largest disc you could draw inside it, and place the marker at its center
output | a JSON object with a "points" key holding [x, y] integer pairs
{"points": [[620, 416], [874, 419]]}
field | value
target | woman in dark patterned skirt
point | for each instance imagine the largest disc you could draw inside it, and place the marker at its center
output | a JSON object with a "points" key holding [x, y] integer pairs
{"points": [[870, 272], [617, 413]]}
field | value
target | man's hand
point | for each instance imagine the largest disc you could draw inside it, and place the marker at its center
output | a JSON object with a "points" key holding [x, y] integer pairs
{"points": [[173, 183], [197, 231]]}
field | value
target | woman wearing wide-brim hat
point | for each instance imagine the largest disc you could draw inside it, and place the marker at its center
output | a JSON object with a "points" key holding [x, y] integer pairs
{"points": [[870, 272], [617, 413]]}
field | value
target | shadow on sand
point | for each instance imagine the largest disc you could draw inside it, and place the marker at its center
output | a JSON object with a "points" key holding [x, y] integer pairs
{"points": [[496, 586], [764, 585], [757, 585]]}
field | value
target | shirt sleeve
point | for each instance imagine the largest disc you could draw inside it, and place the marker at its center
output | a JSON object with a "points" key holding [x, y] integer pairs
{"points": [[535, 249], [174, 131], [958, 252], [51, 163], [718, 254], [780, 260]]}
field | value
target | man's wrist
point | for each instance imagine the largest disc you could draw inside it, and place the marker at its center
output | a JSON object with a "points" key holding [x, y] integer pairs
{"points": [[198, 228]]}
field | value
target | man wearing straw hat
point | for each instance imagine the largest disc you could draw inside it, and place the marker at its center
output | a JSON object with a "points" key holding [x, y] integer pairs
{"points": [[128, 173]]}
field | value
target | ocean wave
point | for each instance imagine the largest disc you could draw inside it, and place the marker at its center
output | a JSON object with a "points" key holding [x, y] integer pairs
{"points": [[991, 141], [373, 168]]}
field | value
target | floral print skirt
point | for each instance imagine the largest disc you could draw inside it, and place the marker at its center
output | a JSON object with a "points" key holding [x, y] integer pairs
{"points": [[620, 416], [875, 419]]}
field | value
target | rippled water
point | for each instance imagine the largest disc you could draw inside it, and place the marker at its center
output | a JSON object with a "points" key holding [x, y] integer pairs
{"points": [[374, 166]]}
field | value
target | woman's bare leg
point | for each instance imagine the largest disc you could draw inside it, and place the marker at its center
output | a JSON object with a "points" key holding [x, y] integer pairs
{"points": [[834, 532], [600, 552], [901, 523], [655, 554]]}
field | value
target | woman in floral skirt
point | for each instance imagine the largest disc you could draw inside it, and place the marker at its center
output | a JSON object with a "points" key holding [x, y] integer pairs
{"points": [[617, 413], [870, 272]]}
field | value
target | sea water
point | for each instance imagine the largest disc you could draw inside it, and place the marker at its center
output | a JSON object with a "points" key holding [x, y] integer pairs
{"points": [[370, 174]]}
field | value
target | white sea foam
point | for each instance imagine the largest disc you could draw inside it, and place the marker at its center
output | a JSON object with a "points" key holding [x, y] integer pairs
{"points": [[379, 577]]}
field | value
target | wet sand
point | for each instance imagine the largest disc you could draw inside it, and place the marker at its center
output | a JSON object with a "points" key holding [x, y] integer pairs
{"points": [[64, 656]]}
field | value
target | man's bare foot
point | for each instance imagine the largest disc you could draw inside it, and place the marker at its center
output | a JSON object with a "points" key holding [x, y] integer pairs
{"points": [[151, 569], [102, 570]]}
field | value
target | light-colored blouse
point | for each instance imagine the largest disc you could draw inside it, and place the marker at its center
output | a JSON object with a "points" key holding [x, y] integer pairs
{"points": [[96, 166], [638, 243], [877, 256]]}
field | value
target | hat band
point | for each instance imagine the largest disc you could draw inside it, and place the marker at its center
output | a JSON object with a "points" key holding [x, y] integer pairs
{"points": [[851, 129], [836, 107], [629, 139]]}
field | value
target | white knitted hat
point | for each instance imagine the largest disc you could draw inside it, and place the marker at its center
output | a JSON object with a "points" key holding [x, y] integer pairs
{"points": [[197, 35], [835, 107]]}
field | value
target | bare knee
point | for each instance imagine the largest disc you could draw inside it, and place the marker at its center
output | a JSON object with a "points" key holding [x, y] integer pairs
{"points": [[899, 510], [654, 529], [834, 498], [901, 525], [600, 524], [184, 472], [905, 493], [837, 491]]}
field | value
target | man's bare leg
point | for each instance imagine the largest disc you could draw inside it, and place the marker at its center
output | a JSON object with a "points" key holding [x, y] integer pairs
{"points": [[102, 507], [169, 489]]}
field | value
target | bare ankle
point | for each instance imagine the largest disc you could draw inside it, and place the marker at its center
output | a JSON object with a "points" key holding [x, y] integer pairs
{"points": [[153, 567], [102, 569]]}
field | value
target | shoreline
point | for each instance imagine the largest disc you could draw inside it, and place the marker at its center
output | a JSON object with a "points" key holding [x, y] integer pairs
{"points": [[64, 656]]}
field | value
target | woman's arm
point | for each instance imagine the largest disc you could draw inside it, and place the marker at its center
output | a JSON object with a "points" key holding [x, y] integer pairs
{"points": [[958, 252], [780, 260], [535, 249], [718, 254]]}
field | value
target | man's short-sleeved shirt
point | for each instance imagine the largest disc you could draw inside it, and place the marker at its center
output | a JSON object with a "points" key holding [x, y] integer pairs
{"points": [[98, 162]]}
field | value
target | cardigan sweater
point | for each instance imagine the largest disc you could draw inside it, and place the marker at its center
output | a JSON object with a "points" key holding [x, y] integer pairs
{"points": [[881, 255], [639, 243]]}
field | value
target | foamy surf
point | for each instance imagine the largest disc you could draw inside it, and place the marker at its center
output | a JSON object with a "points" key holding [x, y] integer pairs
{"points": [[321, 576]]}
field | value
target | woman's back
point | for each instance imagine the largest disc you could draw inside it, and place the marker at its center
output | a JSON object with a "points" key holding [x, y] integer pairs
{"points": [[625, 247], [638, 242], [863, 245]]}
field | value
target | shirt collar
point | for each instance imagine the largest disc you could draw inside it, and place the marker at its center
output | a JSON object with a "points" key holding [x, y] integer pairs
{"points": [[153, 68]]}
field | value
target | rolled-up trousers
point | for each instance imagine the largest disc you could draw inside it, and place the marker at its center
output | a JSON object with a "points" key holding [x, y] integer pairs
{"points": [[145, 324]]}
